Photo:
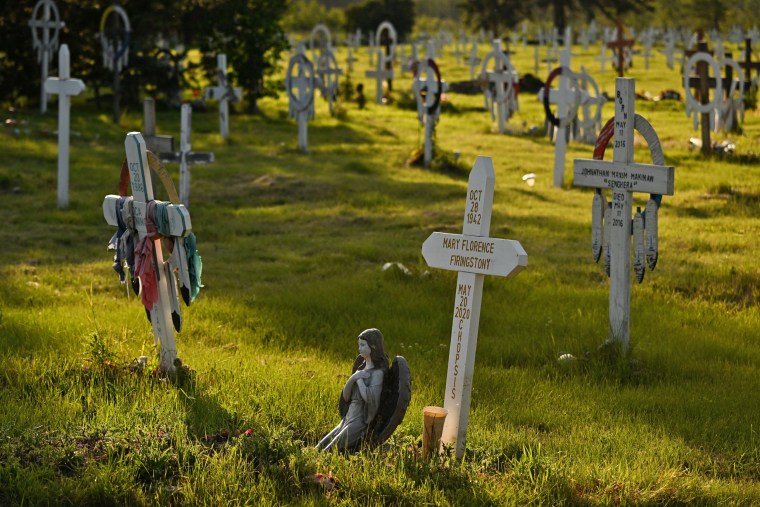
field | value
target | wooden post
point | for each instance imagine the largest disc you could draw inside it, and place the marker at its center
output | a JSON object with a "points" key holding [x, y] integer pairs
{"points": [[65, 87], [623, 176], [473, 254]]}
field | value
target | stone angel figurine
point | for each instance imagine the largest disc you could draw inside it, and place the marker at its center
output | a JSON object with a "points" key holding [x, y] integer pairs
{"points": [[373, 400]]}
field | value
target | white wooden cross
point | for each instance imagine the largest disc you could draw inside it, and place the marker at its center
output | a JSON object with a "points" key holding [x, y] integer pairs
{"points": [[428, 80], [670, 47], [158, 144], [114, 41], [503, 76], [624, 176], [473, 254], [647, 39], [64, 87], [380, 74], [329, 74], [567, 99], [224, 92], [47, 20], [187, 157], [300, 88], [473, 61], [135, 212]]}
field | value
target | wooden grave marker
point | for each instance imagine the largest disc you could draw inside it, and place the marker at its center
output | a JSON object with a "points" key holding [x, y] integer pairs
{"points": [[748, 65], [624, 177], [225, 93], [620, 45], [502, 101], [115, 34], [161, 145], [300, 87], [65, 88], [428, 88], [138, 218], [46, 19], [702, 107], [473, 254]]}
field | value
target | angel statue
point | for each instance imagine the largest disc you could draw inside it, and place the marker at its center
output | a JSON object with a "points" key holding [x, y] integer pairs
{"points": [[374, 399]]}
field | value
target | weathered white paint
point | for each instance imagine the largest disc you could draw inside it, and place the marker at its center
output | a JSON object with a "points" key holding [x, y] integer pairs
{"points": [[64, 87], [300, 89], [427, 80], [624, 177], [466, 317], [180, 226]]}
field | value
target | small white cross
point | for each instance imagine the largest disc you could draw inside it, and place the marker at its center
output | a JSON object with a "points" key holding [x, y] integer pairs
{"points": [[224, 92], [65, 88]]}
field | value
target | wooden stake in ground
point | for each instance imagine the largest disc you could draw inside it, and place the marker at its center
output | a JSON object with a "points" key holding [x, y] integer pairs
{"points": [[45, 17], [64, 87], [138, 218], [473, 254], [624, 176]]}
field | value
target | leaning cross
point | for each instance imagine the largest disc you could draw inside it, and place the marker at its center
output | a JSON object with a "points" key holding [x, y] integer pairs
{"points": [[65, 87], [620, 44], [46, 21], [225, 93], [138, 212], [624, 176], [473, 254]]}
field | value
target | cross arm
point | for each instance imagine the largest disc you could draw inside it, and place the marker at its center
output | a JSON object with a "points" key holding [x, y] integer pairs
{"points": [[177, 216], [64, 86], [634, 177]]}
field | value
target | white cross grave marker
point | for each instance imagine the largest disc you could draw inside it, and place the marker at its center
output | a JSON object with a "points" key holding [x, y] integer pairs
{"points": [[503, 77], [187, 157], [473, 254], [624, 176], [567, 98], [473, 61], [224, 92], [158, 144], [64, 87], [159, 289], [384, 69], [428, 80], [329, 74], [47, 20], [301, 104]]}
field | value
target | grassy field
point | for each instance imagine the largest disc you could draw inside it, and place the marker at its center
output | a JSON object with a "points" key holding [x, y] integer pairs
{"points": [[293, 246]]}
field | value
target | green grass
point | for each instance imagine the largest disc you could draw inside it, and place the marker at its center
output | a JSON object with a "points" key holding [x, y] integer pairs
{"points": [[293, 247]]}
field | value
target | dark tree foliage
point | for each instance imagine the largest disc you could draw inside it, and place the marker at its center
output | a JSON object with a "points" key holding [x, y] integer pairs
{"points": [[162, 33], [494, 15], [369, 14], [250, 34]]}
